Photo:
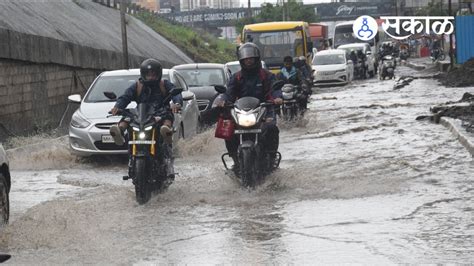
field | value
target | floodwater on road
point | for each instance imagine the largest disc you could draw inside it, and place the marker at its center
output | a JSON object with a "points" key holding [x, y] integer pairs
{"points": [[361, 181]]}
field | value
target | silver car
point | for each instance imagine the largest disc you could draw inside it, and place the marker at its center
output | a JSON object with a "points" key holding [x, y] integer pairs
{"points": [[89, 127], [5, 184]]}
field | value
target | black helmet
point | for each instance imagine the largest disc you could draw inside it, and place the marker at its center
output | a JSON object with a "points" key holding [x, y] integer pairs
{"points": [[249, 50], [151, 65]]}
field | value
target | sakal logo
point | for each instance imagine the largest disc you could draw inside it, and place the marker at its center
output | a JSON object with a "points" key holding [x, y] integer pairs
{"points": [[365, 28]]}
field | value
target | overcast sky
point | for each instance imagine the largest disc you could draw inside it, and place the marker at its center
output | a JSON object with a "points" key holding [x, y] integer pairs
{"points": [[260, 2]]}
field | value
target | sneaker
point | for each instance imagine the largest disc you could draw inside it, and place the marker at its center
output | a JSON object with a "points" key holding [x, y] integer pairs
{"points": [[116, 133], [167, 134]]}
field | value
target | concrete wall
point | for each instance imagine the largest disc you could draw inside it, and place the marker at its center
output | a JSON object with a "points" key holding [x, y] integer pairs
{"points": [[33, 95]]}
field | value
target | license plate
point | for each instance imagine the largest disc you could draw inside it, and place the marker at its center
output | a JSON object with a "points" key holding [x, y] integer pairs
{"points": [[326, 77], [248, 131], [142, 142], [107, 139]]}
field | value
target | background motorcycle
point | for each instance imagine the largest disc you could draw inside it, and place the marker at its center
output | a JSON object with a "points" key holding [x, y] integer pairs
{"points": [[289, 108], [438, 54], [359, 69], [150, 160], [387, 67]]}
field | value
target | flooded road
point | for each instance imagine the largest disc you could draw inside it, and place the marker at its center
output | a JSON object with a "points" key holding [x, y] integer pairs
{"points": [[361, 181]]}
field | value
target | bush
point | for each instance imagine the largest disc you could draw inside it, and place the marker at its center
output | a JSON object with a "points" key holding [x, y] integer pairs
{"points": [[202, 47]]}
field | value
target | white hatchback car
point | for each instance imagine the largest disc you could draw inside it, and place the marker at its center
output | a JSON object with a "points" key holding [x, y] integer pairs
{"points": [[331, 67], [89, 128], [365, 47]]}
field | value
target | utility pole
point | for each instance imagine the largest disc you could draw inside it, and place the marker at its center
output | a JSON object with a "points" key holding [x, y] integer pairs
{"points": [[451, 55], [124, 33], [249, 10], [283, 9]]}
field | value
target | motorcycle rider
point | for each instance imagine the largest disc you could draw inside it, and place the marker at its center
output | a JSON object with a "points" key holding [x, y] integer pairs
{"points": [[253, 80], [292, 75], [434, 47], [149, 88], [289, 73], [303, 67], [361, 55]]}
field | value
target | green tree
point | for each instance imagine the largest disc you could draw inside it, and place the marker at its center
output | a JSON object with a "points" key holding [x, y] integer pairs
{"points": [[269, 12]]}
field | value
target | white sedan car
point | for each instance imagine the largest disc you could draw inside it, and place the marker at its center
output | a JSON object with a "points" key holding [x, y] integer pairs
{"points": [[331, 67], [89, 128]]}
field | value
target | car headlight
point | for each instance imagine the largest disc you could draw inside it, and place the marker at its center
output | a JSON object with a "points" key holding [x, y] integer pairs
{"points": [[79, 121], [247, 120], [341, 70]]}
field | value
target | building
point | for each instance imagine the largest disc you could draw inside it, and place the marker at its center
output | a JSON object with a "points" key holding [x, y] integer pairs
{"points": [[187, 5], [148, 4]]}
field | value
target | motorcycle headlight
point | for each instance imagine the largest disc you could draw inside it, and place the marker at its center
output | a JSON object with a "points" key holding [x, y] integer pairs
{"points": [[148, 128], [247, 120], [141, 135], [79, 121], [135, 129], [287, 95]]}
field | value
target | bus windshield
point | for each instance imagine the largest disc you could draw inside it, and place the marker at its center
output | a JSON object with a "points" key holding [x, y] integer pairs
{"points": [[275, 45], [344, 34]]}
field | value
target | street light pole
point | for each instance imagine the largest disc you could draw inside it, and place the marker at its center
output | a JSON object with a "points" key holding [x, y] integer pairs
{"points": [[451, 54], [124, 34]]}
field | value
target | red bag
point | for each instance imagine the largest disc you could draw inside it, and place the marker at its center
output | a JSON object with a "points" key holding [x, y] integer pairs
{"points": [[225, 128]]}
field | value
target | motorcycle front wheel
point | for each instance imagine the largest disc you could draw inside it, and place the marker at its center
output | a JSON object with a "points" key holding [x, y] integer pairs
{"points": [[247, 168], [442, 56], [142, 189]]}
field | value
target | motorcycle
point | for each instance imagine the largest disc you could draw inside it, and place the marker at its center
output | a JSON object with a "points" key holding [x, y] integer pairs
{"points": [[438, 54], [248, 115], [387, 68], [359, 69], [290, 107], [150, 165]]}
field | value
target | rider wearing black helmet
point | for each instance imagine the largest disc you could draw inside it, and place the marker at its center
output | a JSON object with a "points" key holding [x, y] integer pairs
{"points": [[149, 88], [253, 80]]}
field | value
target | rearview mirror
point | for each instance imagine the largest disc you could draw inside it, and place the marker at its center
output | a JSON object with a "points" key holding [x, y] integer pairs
{"points": [[278, 84], [176, 91], [110, 95], [220, 88], [187, 95], [75, 98]]}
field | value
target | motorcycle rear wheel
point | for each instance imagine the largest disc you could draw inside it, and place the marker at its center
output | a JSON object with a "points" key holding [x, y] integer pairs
{"points": [[142, 189], [441, 56]]}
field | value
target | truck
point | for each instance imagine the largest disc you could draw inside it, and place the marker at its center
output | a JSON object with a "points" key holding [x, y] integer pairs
{"points": [[318, 33]]}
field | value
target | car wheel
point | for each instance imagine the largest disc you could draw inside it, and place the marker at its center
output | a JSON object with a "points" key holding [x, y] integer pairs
{"points": [[4, 201]]}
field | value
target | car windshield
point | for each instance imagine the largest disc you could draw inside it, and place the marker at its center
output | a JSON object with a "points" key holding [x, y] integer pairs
{"points": [[233, 68], [115, 84], [275, 45], [203, 77], [333, 59]]}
